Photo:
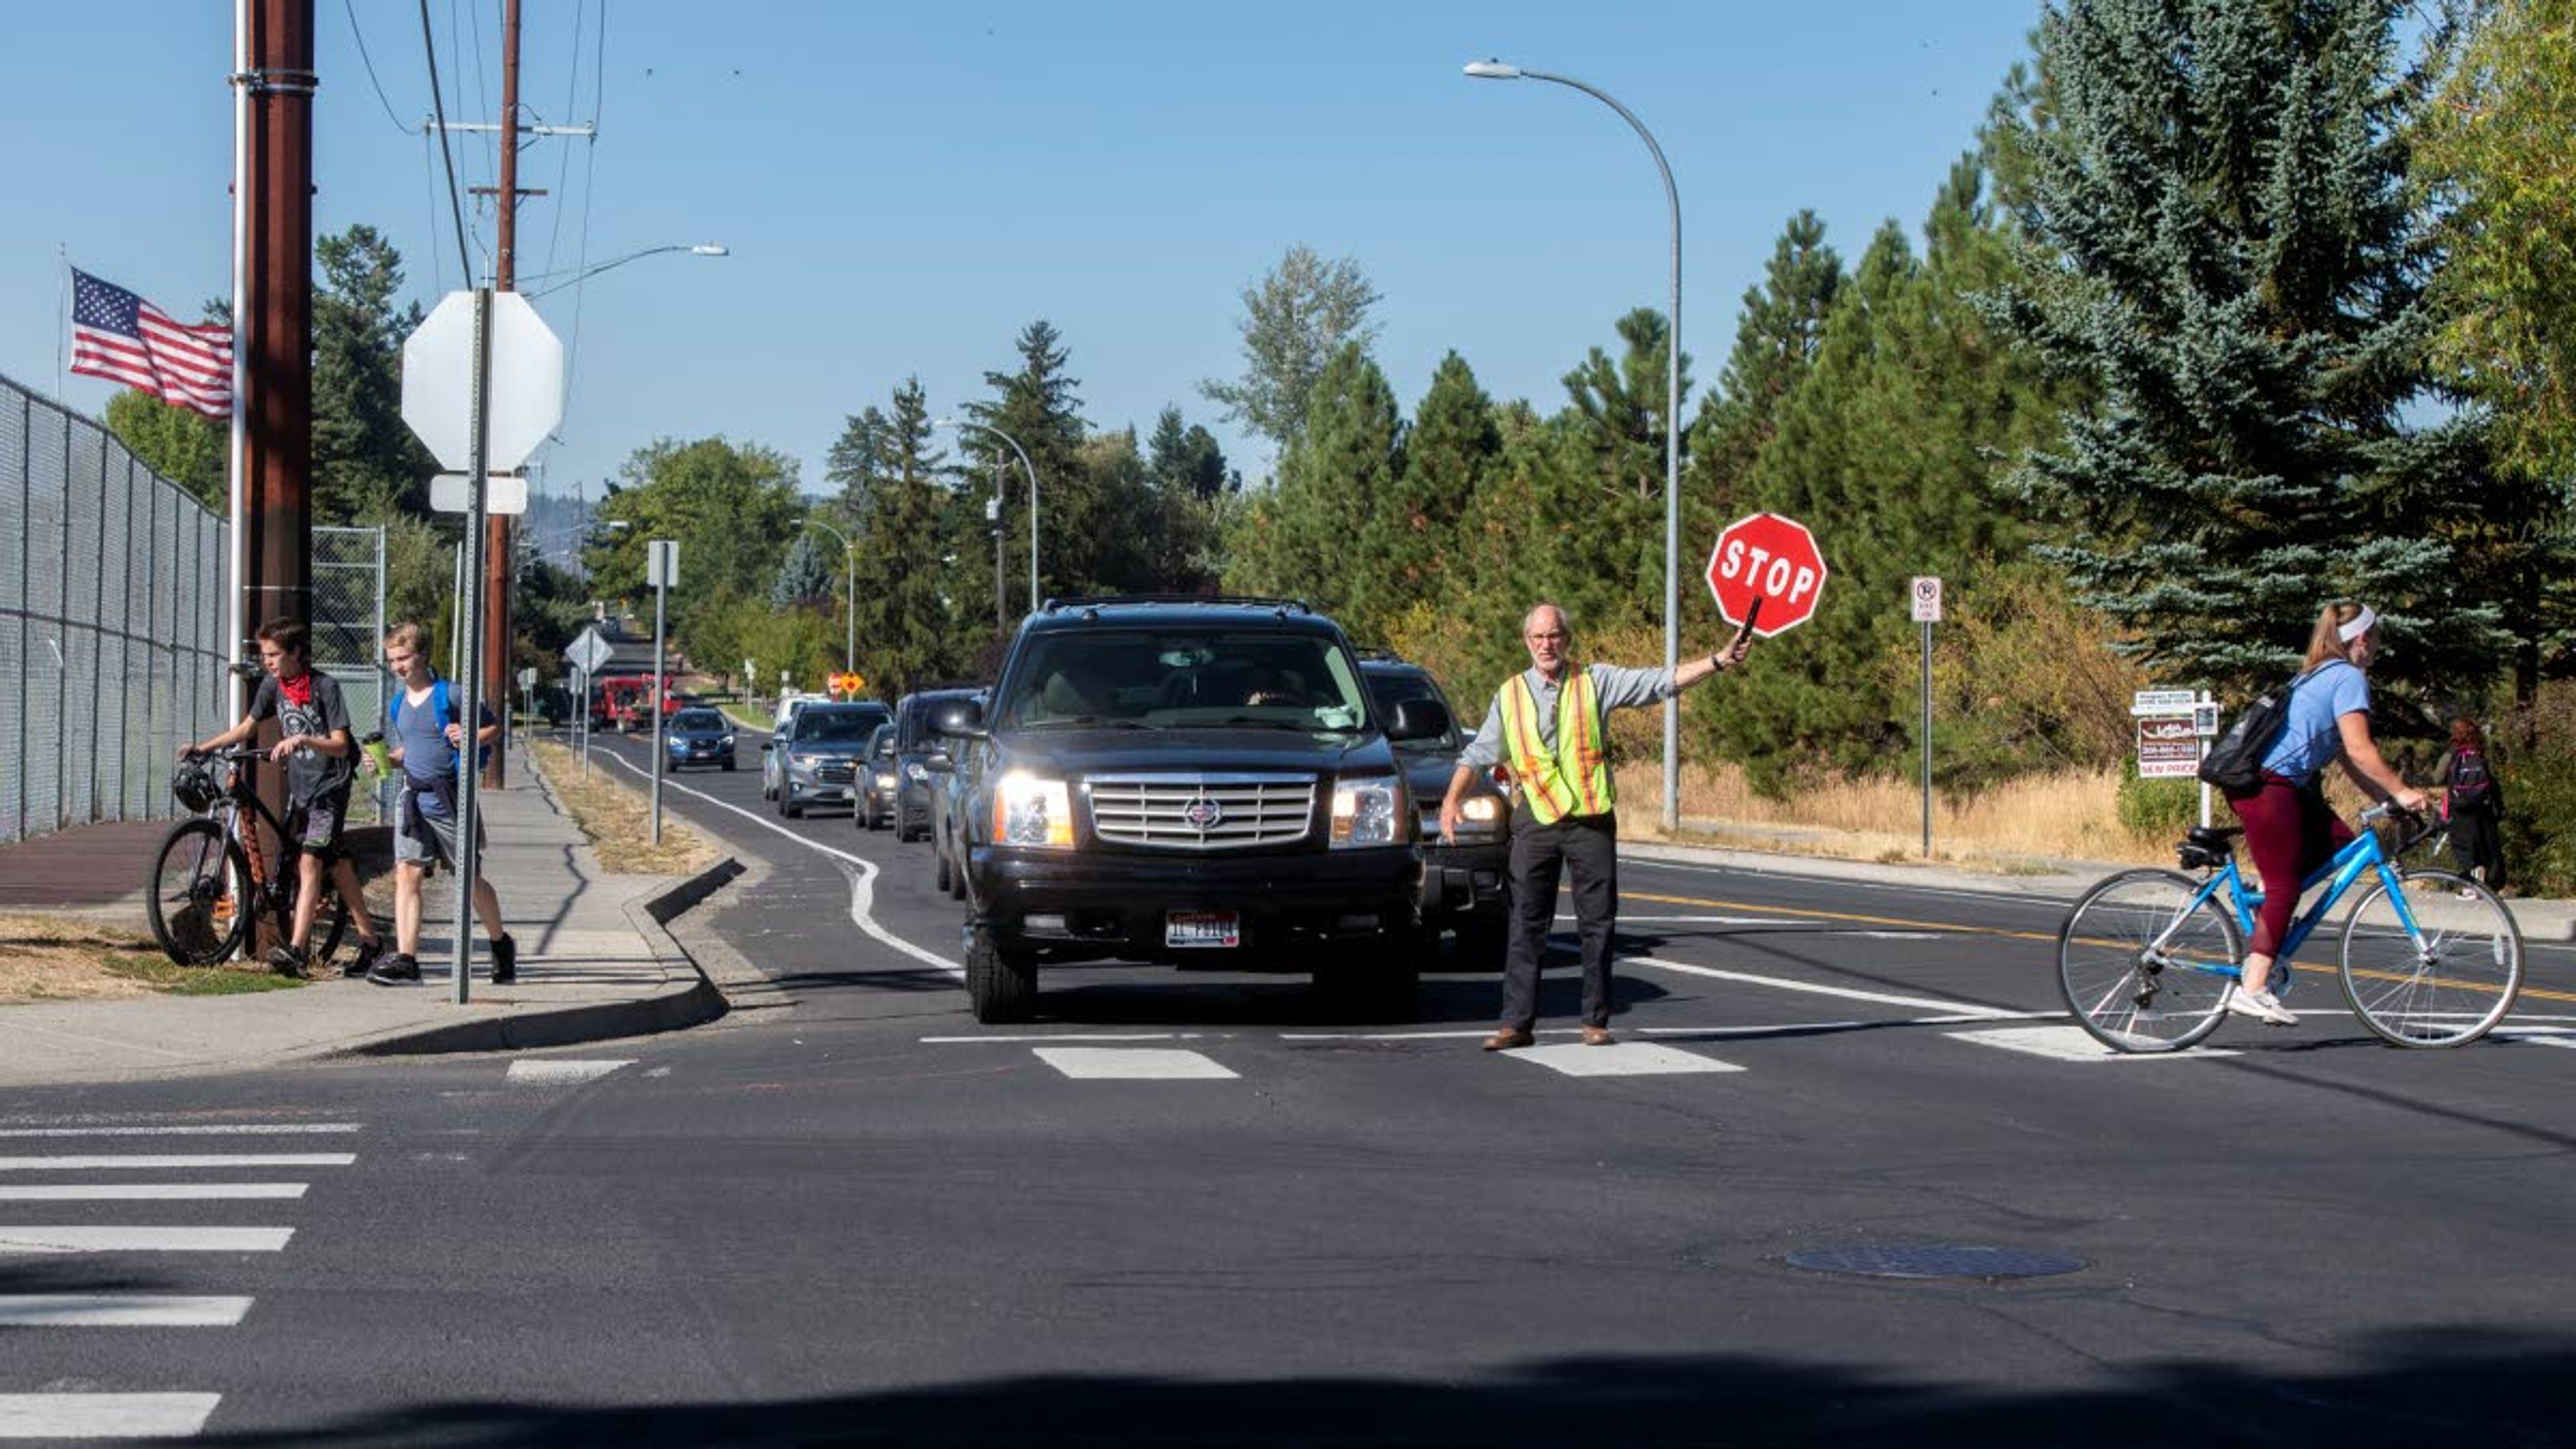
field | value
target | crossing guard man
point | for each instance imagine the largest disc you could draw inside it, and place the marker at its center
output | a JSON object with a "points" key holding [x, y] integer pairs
{"points": [[1551, 724]]}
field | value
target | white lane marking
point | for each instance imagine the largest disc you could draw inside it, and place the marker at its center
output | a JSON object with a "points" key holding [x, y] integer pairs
{"points": [[1921, 1003], [118, 1310], [105, 1416], [130, 1239], [1790, 1028], [1024, 1039], [1622, 1059], [862, 885], [561, 1074], [1893, 935], [217, 1130], [1625, 919], [146, 1191], [1131, 1064], [2072, 1044], [210, 1159], [2556, 1036]]}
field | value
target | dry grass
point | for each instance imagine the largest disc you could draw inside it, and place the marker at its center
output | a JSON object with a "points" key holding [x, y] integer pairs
{"points": [[58, 958], [2012, 828], [616, 819]]}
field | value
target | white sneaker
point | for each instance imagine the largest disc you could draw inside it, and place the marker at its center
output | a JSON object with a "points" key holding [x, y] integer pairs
{"points": [[2263, 1006]]}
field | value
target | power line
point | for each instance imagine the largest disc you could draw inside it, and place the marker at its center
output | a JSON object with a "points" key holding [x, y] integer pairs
{"points": [[572, 103], [456, 207], [369, 62]]}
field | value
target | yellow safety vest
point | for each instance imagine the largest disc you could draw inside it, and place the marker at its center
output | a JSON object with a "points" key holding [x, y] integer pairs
{"points": [[1575, 780]]}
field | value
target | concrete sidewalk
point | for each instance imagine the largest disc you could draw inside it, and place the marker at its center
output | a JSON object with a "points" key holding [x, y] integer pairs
{"points": [[595, 961]]}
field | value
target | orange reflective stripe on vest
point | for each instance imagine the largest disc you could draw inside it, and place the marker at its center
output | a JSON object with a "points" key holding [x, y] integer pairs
{"points": [[1575, 776]]}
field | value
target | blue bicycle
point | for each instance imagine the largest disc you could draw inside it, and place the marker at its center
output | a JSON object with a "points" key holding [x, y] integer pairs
{"points": [[2430, 959]]}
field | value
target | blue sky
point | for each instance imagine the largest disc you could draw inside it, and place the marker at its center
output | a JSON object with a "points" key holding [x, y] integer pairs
{"points": [[905, 187]]}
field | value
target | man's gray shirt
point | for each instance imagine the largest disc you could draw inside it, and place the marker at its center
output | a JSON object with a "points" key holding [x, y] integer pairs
{"points": [[1615, 687]]}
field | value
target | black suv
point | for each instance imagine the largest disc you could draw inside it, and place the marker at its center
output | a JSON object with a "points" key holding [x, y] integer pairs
{"points": [[918, 753], [1463, 882], [1204, 782]]}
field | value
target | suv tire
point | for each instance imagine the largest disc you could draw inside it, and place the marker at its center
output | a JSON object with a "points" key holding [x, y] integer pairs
{"points": [[1001, 985], [941, 875]]}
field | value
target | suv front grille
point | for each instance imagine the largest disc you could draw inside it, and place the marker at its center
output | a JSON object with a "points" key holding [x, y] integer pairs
{"points": [[1202, 812], [836, 772]]}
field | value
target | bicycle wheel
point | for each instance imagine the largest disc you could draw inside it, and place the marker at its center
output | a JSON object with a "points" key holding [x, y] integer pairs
{"points": [[2141, 967], [194, 897], [2436, 966]]}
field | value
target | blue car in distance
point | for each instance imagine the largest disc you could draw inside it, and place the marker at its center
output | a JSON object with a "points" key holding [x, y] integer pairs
{"points": [[698, 737]]}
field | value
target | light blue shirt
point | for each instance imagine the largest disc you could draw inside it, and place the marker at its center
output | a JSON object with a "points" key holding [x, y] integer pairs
{"points": [[1614, 687], [2313, 734]]}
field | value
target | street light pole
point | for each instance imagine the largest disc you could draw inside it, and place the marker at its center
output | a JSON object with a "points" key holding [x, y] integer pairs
{"points": [[1497, 70], [850, 559], [1025, 466], [700, 249]]}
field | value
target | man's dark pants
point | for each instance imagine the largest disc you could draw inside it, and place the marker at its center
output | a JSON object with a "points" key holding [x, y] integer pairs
{"points": [[1586, 846]]}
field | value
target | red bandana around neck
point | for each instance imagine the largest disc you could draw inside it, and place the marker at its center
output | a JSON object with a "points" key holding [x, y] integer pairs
{"points": [[298, 691]]}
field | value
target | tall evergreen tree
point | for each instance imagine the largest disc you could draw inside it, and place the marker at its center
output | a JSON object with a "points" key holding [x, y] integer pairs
{"points": [[1331, 482], [1188, 457], [1039, 406], [807, 578], [2238, 272], [857, 459], [1615, 425], [1413, 534], [903, 617], [1776, 337], [366, 462]]}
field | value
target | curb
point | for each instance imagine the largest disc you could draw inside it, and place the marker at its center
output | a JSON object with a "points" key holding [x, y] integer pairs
{"points": [[571, 1025]]}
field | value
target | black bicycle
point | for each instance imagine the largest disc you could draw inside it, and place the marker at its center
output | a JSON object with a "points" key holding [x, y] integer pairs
{"points": [[208, 883]]}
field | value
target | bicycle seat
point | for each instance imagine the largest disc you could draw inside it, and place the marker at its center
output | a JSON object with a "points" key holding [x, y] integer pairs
{"points": [[2207, 846], [2215, 837]]}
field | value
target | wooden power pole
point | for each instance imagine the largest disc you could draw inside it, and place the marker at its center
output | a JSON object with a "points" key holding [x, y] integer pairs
{"points": [[500, 566], [275, 321]]}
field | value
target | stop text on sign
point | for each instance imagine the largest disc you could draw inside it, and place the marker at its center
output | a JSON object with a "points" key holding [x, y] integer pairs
{"points": [[1770, 558]]}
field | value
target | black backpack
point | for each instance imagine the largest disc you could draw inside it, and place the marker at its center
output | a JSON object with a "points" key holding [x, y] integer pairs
{"points": [[2471, 785], [2235, 763]]}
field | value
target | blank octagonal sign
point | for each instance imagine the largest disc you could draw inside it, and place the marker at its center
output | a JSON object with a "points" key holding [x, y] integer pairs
{"points": [[438, 381]]}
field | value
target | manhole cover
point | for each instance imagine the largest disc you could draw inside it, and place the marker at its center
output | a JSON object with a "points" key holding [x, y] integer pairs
{"points": [[1937, 1260]]}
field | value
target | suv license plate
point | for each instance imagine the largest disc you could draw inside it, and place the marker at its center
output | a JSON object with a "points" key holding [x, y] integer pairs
{"points": [[1202, 928]]}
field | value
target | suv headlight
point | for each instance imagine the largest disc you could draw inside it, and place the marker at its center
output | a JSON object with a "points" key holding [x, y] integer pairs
{"points": [[1029, 811], [725, 743], [1484, 809], [1368, 811], [919, 772]]}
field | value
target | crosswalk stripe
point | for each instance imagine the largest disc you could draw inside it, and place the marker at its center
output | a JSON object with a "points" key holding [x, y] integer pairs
{"points": [[1622, 1059], [145, 1191], [2072, 1044], [209, 1159], [104, 1416], [561, 1074], [1131, 1063], [228, 1129], [1812, 988], [118, 1310], [125, 1239]]}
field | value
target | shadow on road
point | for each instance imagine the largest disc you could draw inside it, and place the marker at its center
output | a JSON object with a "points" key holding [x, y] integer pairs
{"points": [[2411, 1388]]}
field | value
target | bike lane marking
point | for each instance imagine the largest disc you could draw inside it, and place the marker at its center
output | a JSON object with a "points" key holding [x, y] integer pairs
{"points": [[862, 881]]}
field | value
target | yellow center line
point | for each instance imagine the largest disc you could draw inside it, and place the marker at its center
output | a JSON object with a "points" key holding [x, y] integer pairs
{"points": [[2535, 993]]}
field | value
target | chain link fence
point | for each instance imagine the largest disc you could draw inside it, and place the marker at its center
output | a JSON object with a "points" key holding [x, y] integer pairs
{"points": [[348, 591], [111, 623]]}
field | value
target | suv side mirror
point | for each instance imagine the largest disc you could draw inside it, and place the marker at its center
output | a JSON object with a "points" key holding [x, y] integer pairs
{"points": [[1418, 719], [963, 719], [938, 762]]}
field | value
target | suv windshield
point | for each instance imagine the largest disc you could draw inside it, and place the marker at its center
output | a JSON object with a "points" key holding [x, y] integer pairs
{"points": [[698, 719], [836, 726], [1185, 679], [1391, 688]]}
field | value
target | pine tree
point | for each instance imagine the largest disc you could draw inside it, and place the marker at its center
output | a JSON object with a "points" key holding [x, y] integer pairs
{"points": [[2237, 270], [366, 463], [1038, 407], [1776, 337], [1615, 424], [905, 639], [1331, 482], [1186, 458], [806, 579], [1413, 532]]}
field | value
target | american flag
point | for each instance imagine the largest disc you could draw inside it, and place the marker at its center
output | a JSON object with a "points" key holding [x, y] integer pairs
{"points": [[119, 336]]}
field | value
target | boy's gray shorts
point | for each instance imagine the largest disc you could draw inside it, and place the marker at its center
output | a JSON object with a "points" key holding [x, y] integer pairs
{"points": [[430, 849]]}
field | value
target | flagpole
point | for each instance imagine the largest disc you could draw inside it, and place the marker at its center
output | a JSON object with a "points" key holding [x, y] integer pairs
{"points": [[236, 565], [63, 326]]}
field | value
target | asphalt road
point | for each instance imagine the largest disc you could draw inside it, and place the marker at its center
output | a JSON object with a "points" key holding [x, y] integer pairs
{"points": [[1198, 1209]]}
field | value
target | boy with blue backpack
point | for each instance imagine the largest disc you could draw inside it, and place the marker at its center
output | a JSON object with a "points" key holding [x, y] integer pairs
{"points": [[428, 743]]}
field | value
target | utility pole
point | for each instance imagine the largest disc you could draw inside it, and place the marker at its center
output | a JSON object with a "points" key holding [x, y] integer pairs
{"points": [[273, 313], [498, 559]]}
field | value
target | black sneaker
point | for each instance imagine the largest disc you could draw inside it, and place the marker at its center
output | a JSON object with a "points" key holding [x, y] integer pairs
{"points": [[505, 961], [365, 959], [397, 969], [286, 961]]}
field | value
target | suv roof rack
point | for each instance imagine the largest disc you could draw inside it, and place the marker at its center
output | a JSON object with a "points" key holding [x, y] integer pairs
{"points": [[1091, 601], [1378, 654]]}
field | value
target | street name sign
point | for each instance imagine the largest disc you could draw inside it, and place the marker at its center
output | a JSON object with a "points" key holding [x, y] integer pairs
{"points": [[502, 493]]}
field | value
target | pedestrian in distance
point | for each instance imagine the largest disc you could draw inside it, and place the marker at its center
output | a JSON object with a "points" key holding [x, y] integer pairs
{"points": [[315, 746], [2289, 828], [429, 744], [2473, 805], [1552, 724]]}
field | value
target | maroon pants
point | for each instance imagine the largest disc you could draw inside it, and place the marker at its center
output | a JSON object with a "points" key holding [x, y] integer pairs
{"points": [[2289, 831]]}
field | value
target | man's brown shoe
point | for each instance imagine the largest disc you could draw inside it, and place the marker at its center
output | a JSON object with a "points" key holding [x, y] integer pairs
{"points": [[1508, 1038], [1598, 1036]]}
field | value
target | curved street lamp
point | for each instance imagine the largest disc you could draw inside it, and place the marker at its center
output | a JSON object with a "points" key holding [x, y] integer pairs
{"points": [[1025, 466], [701, 249], [1497, 70], [850, 612]]}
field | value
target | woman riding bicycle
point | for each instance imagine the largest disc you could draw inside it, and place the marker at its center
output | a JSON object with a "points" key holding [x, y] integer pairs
{"points": [[2289, 828]]}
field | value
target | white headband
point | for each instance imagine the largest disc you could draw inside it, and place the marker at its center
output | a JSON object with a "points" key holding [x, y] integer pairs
{"points": [[2362, 623]]}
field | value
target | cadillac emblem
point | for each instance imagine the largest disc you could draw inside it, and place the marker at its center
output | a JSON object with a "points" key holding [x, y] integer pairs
{"points": [[1203, 814]]}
